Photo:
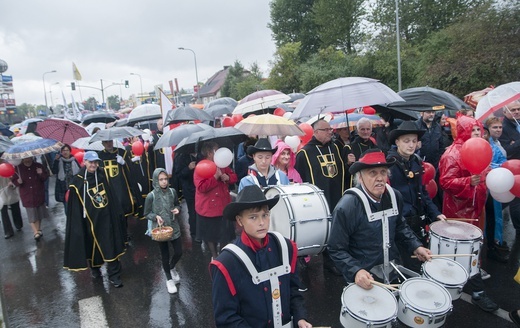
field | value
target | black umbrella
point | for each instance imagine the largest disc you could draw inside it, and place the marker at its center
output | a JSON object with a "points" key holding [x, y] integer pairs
{"points": [[186, 113], [423, 99], [224, 137], [220, 110], [121, 122], [174, 137], [116, 133], [221, 101], [396, 113], [295, 96], [100, 117]]}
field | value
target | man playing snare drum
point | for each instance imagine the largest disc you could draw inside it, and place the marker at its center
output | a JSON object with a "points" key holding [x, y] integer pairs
{"points": [[367, 225]]}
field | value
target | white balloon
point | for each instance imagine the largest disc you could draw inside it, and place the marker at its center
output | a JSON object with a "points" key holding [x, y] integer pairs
{"points": [[293, 142], [500, 180], [14, 162], [223, 157], [287, 115], [504, 197]]}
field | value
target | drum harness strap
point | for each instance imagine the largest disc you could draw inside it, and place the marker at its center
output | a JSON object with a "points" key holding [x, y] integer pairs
{"points": [[383, 216], [255, 179], [270, 275]]}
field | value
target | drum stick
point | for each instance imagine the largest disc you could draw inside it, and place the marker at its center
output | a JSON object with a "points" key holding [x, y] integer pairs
{"points": [[460, 219], [373, 282], [445, 255]]}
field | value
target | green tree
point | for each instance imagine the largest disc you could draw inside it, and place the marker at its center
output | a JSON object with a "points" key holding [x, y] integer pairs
{"points": [[241, 82], [27, 110], [285, 73], [114, 102], [479, 50], [293, 21], [419, 18], [90, 104], [339, 23], [328, 64]]}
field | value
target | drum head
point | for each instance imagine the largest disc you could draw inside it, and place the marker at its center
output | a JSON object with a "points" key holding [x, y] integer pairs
{"points": [[376, 304], [456, 230], [446, 271], [425, 296]]}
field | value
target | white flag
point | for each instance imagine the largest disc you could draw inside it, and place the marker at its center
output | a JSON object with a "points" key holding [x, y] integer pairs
{"points": [[166, 106]]}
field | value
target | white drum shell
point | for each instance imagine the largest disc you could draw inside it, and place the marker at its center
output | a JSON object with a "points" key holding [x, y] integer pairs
{"points": [[410, 313], [443, 244], [454, 269], [302, 214], [350, 319]]}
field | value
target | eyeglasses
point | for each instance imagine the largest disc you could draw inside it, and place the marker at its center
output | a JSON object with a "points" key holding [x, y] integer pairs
{"points": [[514, 109], [326, 130]]}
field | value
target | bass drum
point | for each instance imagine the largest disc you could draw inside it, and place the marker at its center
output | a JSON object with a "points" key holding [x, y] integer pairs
{"points": [[302, 215]]}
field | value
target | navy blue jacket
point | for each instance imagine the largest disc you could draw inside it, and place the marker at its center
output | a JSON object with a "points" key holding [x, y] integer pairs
{"points": [[510, 139], [432, 146], [237, 302]]}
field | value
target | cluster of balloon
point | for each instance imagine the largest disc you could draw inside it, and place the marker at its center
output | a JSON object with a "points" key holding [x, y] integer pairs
{"points": [[504, 182], [428, 181], [228, 121], [237, 118], [6, 170], [279, 111], [138, 148], [307, 128], [294, 142], [222, 158], [367, 110], [206, 169]]}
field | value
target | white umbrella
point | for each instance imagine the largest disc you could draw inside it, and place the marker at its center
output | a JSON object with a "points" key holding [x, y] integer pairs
{"points": [[260, 100], [497, 98], [338, 95], [269, 125], [83, 143], [92, 126]]}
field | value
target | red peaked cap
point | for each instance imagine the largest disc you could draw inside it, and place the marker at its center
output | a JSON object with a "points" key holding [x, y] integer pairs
{"points": [[371, 158]]}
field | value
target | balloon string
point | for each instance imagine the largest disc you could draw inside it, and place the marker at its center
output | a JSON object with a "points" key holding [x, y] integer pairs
{"points": [[474, 196], [141, 166]]}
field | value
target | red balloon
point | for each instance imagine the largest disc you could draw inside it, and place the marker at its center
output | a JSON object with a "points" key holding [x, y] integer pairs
{"points": [[74, 150], [228, 121], [6, 170], [369, 110], [512, 165], [350, 111], [516, 187], [476, 155], [237, 117], [138, 148], [279, 111], [146, 145], [431, 187], [429, 173], [205, 169], [79, 156], [308, 132]]}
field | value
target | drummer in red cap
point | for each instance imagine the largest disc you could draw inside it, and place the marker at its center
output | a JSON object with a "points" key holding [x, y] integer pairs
{"points": [[367, 225]]}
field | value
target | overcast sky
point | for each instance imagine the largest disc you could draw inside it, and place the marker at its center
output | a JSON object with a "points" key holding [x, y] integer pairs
{"points": [[110, 39]]}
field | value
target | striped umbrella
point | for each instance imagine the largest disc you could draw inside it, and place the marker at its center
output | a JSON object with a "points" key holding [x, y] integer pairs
{"points": [[269, 125]]}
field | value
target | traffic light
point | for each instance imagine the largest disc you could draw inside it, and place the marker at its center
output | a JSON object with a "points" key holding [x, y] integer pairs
{"points": [[126, 84], [73, 86]]}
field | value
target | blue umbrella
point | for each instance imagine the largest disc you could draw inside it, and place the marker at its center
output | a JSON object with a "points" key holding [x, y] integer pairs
{"points": [[31, 148]]}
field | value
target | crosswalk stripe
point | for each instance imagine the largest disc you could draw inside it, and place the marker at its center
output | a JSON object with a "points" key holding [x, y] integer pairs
{"points": [[91, 313], [499, 313]]}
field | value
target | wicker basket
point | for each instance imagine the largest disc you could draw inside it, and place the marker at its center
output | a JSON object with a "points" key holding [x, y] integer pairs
{"points": [[162, 233]]}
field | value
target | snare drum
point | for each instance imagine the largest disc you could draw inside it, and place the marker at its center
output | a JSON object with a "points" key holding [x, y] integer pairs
{"points": [[449, 273], [376, 307], [423, 303], [455, 237], [302, 215]]}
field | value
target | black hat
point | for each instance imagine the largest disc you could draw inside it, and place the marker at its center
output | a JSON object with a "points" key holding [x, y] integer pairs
{"points": [[261, 145], [371, 158], [407, 127], [249, 197]]}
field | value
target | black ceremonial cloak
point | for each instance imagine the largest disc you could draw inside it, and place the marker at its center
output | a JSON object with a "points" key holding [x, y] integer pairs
{"points": [[98, 236]]}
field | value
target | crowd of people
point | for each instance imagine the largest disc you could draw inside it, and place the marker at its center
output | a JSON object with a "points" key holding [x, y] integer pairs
{"points": [[371, 180]]}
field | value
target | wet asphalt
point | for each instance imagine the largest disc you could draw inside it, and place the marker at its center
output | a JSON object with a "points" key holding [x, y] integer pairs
{"points": [[37, 292]]}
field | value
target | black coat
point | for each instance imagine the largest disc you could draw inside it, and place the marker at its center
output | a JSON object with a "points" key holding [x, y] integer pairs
{"points": [[432, 146], [510, 139]]}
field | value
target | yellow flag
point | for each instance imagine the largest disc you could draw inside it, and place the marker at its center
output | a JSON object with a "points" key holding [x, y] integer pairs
{"points": [[76, 73]]}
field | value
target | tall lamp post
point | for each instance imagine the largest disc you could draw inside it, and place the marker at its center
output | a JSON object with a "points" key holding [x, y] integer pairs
{"points": [[140, 82], [45, 90], [196, 72], [398, 45]]}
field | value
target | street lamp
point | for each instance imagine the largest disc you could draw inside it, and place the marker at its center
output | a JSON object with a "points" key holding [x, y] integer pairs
{"points": [[398, 45], [196, 72], [45, 90], [50, 94], [140, 82]]}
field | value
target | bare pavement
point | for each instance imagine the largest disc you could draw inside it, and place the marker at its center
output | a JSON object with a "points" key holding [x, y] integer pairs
{"points": [[37, 292]]}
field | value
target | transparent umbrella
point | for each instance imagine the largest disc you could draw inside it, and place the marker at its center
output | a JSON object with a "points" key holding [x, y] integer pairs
{"points": [[497, 98]]}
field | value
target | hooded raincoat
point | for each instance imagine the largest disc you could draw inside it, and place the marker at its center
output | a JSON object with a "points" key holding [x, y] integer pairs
{"points": [[161, 202], [461, 200], [291, 173]]}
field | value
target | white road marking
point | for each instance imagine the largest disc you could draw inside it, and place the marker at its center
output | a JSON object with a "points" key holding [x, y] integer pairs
{"points": [[91, 313], [499, 313]]}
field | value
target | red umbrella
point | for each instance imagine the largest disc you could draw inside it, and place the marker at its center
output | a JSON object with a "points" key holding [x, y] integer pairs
{"points": [[61, 130]]}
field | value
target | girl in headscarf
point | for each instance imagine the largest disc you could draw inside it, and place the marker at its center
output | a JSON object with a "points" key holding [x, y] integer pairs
{"points": [[284, 159]]}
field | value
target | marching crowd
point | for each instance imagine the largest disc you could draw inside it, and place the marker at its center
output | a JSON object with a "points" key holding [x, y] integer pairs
{"points": [[372, 181]]}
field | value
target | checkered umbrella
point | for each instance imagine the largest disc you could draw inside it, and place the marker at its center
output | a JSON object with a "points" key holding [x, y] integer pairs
{"points": [[62, 130]]}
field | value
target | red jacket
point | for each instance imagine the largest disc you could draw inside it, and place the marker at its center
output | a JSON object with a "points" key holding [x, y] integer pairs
{"points": [[32, 189], [212, 195], [461, 200]]}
